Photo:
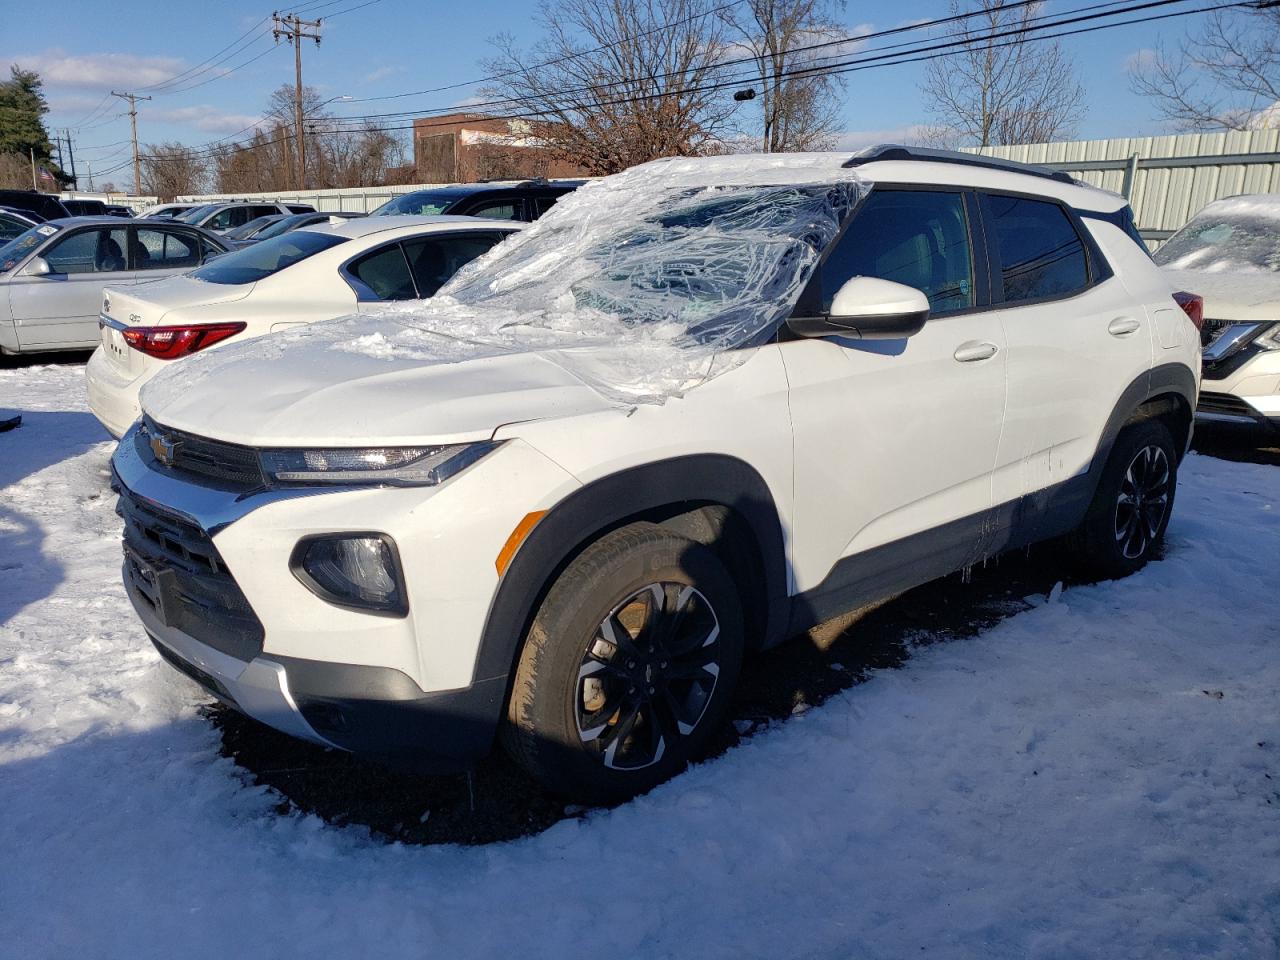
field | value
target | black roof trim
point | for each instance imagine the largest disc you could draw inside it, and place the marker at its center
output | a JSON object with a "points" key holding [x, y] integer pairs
{"points": [[896, 151]]}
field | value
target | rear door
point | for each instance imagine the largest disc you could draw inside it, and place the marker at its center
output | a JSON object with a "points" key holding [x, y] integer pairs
{"points": [[895, 440], [159, 251], [61, 309], [1076, 340]]}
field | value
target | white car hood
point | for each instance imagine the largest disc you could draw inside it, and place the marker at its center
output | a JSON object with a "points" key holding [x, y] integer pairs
{"points": [[288, 392], [1232, 295], [146, 304]]}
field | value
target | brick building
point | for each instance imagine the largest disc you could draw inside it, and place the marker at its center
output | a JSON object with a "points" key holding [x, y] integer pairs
{"points": [[466, 147]]}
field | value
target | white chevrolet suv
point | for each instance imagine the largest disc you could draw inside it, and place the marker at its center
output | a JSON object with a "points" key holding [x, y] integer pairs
{"points": [[697, 408]]}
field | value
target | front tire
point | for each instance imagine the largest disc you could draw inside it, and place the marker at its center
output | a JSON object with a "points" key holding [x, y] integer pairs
{"points": [[628, 667], [1126, 522]]}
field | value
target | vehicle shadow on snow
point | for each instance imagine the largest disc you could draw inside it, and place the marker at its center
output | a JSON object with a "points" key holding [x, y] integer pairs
{"points": [[1241, 444], [498, 801], [27, 573]]}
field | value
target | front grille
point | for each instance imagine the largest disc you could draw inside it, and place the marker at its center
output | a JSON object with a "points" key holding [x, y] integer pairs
{"points": [[173, 566], [225, 465], [1225, 404]]}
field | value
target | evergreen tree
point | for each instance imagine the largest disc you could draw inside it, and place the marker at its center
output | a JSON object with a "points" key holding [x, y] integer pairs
{"points": [[22, 110]]}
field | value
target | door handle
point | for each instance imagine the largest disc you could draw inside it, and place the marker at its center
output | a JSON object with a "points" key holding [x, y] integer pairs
{"points": [[1122, 326], [973, 350]]}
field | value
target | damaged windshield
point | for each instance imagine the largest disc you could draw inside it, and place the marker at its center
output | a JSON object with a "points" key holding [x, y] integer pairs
{"points": [[1228, 235], [642, 283]]}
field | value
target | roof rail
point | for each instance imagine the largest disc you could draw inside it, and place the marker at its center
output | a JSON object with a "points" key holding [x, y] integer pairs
{"points": [[896, 151]]}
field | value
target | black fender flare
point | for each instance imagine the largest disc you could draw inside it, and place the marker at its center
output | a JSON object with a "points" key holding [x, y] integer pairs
{"points": [[606, 503], [1160, 380]]}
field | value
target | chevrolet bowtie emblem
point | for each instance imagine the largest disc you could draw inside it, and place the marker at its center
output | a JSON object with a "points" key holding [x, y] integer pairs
{"points": [[163, 449]]}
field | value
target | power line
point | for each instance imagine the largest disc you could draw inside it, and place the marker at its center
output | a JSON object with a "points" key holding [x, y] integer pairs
{"points": [[964, 38], [1016, 36]]}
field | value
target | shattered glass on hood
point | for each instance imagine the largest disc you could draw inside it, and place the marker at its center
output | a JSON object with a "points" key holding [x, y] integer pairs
{"points": [[643, 284]]}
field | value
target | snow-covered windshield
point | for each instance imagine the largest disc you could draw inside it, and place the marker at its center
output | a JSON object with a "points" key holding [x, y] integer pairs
{"points": [[1237, 234], [642, 284]]}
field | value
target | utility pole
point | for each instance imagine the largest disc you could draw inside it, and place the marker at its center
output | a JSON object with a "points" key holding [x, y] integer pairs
{"points": [[72, 157], [294, 30], [133, 99]]}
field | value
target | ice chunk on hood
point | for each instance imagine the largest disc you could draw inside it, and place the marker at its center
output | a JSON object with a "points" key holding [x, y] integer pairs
{"points": [[641, 285]]}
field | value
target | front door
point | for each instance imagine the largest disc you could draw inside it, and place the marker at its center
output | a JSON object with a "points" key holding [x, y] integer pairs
{"points": [[895, 440], [60, 309]]}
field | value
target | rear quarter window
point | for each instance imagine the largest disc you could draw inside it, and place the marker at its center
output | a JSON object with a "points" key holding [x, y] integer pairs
{"points": [[1041, 255]]}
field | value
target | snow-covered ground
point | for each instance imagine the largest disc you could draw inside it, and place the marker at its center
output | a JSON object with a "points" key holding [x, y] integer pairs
{"points": [[1096, 777]]}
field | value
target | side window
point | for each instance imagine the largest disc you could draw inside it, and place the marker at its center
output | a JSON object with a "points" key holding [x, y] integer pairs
{"points": [[916, 237], [208, 249], [497, 210], [1040, 252], [542, 204], [435, 259], [11, 227], [155, 249], [270, 210], [385, 273], [89, 251], [223, 220]]}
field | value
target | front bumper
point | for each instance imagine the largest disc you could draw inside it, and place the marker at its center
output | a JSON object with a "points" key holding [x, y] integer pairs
{"points": [[210, 580], [374, 711]]}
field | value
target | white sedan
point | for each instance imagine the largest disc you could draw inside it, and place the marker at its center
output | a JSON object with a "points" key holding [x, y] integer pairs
{"points": [[316, 273]]}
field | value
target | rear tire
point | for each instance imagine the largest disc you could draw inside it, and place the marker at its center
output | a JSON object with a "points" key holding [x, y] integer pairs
{"points": [[1125, 524], [628, 667]]}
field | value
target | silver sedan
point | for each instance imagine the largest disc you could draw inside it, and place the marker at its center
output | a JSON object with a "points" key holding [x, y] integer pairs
{"points": [[51, 276]]}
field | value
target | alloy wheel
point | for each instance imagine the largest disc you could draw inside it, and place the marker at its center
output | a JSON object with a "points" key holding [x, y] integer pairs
{"points": [[648, 674], [1143, 501]]}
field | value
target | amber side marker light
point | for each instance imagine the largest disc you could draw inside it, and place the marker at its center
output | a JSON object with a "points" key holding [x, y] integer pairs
{"points": [[518, 535]]}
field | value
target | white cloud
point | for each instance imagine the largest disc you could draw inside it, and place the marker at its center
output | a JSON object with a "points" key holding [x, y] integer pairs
{"points": [[206, 118], [857, 139], [1140, 59], [381, 74], [97, 70]]}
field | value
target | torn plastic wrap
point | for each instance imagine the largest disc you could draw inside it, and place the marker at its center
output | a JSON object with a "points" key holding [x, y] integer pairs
{"points": [[642, 285]]}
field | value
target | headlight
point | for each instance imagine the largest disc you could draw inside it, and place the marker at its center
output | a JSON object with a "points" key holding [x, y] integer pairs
{"points": [[360, 570], [1271, 339], [393, 466]]}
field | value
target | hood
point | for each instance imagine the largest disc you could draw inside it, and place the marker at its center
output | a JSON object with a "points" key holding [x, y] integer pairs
{"points": [[146, 304], [293, 389], [1232, 295]]}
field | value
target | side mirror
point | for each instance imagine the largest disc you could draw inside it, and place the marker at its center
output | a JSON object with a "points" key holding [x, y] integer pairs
{"points": [[38, 267], [868, 308]]}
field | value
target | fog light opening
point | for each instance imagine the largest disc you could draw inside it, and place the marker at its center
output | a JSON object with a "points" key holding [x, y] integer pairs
{"points": [[359, 571]]}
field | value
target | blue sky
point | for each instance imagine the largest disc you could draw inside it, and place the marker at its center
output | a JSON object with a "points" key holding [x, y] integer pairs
{"points": [[392, 46]]}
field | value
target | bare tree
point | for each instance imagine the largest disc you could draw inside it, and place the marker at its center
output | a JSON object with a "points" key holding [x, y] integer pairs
{"points": [[617, 82], [170, 170], [1225, 74], [1003, 86], [798, 111], [15, 172]]}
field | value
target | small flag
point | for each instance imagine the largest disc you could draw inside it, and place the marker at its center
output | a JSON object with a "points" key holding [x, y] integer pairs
{"points": [[45, 176]]}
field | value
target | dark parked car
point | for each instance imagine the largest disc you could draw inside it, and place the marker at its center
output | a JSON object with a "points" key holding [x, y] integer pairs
{"points": [[525, 201], [49, 208], [285, 224], [118, 210], [85, 208], [14, 224]]}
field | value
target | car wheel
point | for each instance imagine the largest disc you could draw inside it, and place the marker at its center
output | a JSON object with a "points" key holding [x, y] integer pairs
{"points": [[628, 666], [1126, 521]]}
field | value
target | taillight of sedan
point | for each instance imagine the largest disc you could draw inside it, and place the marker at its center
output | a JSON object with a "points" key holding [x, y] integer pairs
{"points": [[170, 343]]}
